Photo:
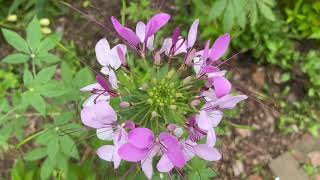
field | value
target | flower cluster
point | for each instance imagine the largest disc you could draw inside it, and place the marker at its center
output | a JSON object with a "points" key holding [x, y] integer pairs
{"points": [[164, 103]]}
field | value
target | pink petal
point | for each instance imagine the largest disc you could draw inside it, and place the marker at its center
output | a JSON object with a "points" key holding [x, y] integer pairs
{"points": [[222, 86], [219, 47], [164, 164], [102, 50], [122, 57], [141, 31], [98, 115], [209, 69], [130, 124], [125, 33], [156, 23], [168, 140], [141, 137], [106, 152], [181, 47], [131, 153], [102, 82], [176, 156], [176, 35], [207, 153], [191, 55], [192, 35], [206, 51], [111, 76], [116, 157]]}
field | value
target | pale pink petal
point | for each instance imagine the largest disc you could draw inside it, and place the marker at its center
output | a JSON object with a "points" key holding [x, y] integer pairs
{"points": [[168, 140], [211, 137], [111, 76], [125, 33], [94, 98], [167, 43], [105, 133], [141, 137], [98, 115], [192, 35], [207, 153], [116, 157], [209, 69], [203, 121], [141, 31], [181, 47], [206, 51], [229, 101], [219, 47], [156, 23], [150, 42], [164, 164], [106, 152], [131, 153], [102, 49], [146, 164], [222, 86], [90, 87]]}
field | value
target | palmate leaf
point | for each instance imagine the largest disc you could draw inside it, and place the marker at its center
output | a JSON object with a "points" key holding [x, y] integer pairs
{"points": [[266, 11], [36, 101], [228, 17], [49, 42], [46, 169], [27, 77], [15, 40]]}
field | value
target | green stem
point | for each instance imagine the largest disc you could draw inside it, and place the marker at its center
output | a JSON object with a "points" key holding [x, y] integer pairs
{"points": [[30, 138]]}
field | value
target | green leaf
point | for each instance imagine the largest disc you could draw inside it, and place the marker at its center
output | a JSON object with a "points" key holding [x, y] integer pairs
{"points": [[64, 118], [69, 147], [16, 58], [34, 34], [217, 9], [228, 18], [82, 78], [253, 13], [266, 11], [49, 58], [38, 103], [66, 72], [36, 154], [49, 42], [53, 148], [52, 89], [27, 77], [46, 169], [45, 74], [15, 40]]}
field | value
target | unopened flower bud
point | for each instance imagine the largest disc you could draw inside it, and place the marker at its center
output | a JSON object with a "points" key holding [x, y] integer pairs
{"points": [[178, 132], [173, 107], [157, 59], [195, 103], [12, 18], [171, 127], [187, 80], [124, 104], [46, 30], [170, 74], [44, 22], [154, 114]]}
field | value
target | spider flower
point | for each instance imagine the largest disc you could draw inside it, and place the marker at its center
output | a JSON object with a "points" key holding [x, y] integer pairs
{"points": [[158, 109]]}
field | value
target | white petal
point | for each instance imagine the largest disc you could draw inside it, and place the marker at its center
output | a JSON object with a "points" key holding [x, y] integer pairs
{"points": [[102, 49], [141, 31], [150, 43], [106, 134], [106, 152], [91, 87], [167, 43]]}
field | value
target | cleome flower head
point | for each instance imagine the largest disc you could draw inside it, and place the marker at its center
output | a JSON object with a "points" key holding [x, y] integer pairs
{"points": [[158, 105]]}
